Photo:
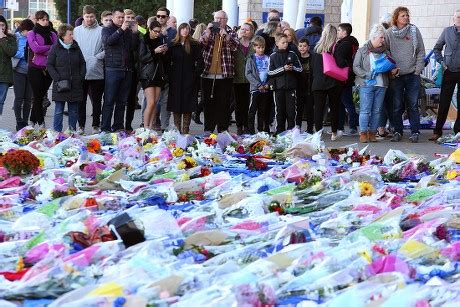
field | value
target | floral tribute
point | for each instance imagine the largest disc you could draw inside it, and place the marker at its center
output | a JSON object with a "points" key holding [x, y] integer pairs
{"points": [[20, 162], [93, 146]]}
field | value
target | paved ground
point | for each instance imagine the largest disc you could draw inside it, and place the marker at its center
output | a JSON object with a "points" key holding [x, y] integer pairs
{"points": [[424, 147]]}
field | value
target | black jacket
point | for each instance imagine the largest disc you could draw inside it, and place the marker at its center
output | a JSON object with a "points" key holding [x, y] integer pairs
{"points": [[321, 82], [184, 77], [312, 33], [151, 64], [67, 64], [269, 43], [279, 78], [119, 47], [344, 53]]}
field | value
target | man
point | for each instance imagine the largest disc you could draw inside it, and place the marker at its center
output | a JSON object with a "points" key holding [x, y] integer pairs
{"points": [[169, 33], [312, 32], [273, 15], [450, 38], [88, 37], [219, 45], [132, 97], [346, 48], [106, 18], [119, 40], [172, 22]]}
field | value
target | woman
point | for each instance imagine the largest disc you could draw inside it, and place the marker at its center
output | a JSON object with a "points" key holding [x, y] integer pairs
{"points": [[22, 89], [293, 43], [198, 31], [405, 44], [324, 87], [67, 68], [152, 51], [186, 66], [40, 40], [8, 49], [371, 88], [240, 84], [200, 28], [273, 27]]}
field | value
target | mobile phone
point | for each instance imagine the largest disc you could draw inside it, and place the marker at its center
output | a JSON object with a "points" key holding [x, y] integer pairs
{"points": [[215, 27]]}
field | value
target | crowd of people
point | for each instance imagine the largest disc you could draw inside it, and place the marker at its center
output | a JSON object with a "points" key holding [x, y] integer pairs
{"points": [[271, 76]]}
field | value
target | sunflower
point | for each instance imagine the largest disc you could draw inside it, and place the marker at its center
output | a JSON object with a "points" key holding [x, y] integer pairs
{"points": [[451, 175], [178, 152], [366, 188]]}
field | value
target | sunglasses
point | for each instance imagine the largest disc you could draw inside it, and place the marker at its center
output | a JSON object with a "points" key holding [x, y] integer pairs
{"points": [[156, 31], [162, 16]]}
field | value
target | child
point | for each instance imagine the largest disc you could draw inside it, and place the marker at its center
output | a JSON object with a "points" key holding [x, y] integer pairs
{"points": [[283, 69], [304, 97], [257, 75]]}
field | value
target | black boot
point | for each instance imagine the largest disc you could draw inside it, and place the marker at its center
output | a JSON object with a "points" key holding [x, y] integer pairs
{"points": [[196, 118]]}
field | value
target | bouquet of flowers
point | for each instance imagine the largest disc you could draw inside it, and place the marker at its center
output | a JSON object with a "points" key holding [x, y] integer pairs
{"points": [[256, 163], [187, 163], [20, 162], [93, 146], [28, 134], [412, 170], [349, 155]]}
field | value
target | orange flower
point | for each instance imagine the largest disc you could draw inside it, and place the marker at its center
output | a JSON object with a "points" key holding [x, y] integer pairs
{"points": [[20, 162], [94, 146]]}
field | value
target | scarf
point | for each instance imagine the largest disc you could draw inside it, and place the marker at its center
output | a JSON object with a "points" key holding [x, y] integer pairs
{"points": [[402, 33], [45, 32], [372, 49], [66, 46]]}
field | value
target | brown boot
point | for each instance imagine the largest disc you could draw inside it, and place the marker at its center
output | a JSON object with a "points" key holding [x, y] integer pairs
{"points": [[186, 123], [363, 137], [178, 121], [371, 137]]}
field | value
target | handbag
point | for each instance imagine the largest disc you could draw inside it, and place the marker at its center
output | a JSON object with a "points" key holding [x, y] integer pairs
{"points": [[63, 86], [331, 69]]}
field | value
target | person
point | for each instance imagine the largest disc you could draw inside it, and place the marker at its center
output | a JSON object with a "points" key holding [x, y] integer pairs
{"points": [[193, 23], [371, 95], [66, 64], [240, 83], [283, 69], [451, 76], [40, 40], [273, 15], [89, 39], [106, 19], [219, 44], [405, 44], [185, 69], [8, 48], [141, 24], [292, 39], [256, 73], [272, 28], [324, 87], [304, 97], [152, 50], [200, 28], [133, 100], [22, 89], [169, 33], [119, 42], [172, 22], [312, 32], [78, 21], [346, 48]]}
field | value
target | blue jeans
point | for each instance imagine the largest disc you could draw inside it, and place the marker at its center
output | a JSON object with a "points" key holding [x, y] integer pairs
{"points": [[348, 105], [370, 110], [3, 91], [117, 87], [405, 90], [59, 112]]}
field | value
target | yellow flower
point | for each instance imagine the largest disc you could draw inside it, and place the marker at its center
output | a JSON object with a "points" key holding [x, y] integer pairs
{"points": [[213, 136], [42, 162], [451, 174], [148, 146], [366, 188], [185, 177], [154, 160], [181, 165], [178, 152]]}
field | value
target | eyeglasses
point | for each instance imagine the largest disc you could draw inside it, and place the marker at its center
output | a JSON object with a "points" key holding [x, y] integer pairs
{"points": [[162, 16], [156, 31]]}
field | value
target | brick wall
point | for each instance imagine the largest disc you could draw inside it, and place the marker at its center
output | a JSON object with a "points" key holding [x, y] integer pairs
{"points": [[253, 9], [430, 16]]}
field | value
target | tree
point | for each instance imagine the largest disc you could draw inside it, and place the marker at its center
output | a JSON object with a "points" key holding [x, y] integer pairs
{"points": [[203, 8]]}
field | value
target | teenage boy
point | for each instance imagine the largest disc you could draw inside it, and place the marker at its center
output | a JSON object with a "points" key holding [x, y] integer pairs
{"points": [[304, 98], [257, 75], [283, 69]]}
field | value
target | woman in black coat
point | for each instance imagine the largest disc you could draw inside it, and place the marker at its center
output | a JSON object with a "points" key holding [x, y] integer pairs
{"points": [[67, 68], [184, 77]]}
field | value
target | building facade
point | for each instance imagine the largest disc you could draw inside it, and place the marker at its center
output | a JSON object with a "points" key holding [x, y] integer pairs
{"points": [[46, 5]]}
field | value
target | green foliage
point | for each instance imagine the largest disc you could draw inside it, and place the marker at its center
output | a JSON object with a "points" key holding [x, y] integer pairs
{"points": [[203, 8]]}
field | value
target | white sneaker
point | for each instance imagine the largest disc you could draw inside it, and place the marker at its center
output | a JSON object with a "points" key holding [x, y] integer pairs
{"points": [[337, 136], [96, 130], [80, 131]]}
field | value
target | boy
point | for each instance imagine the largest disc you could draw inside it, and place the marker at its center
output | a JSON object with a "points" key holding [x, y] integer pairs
{"points": [[305, 99], [257, 74], [283, 69]]}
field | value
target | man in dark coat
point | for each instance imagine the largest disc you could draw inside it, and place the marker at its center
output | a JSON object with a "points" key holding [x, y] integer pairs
{"points": [[312, 32]]}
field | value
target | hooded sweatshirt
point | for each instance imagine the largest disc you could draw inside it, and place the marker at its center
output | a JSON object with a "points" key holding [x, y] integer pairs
{"points": [[90, 41]]}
